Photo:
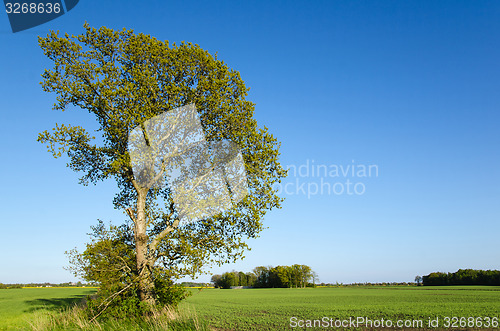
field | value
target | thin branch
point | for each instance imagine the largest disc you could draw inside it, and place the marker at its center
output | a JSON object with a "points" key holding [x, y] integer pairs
{"points": [[159, 237], [110, 299], [130, 214]]}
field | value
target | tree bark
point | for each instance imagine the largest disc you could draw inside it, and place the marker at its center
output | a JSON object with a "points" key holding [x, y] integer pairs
{"points": [[146, 285]]}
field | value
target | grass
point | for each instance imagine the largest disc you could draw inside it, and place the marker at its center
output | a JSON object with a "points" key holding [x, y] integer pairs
{"points": [[272, 309], [57, 309], [255, 309], [18, 305], [74, 319]]}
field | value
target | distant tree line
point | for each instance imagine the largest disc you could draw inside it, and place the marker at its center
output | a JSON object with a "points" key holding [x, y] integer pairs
{"points": [[69, 284], [194, 284], [368, 284], [296, 275], [463, 277], [6, 286], [234, 278]]}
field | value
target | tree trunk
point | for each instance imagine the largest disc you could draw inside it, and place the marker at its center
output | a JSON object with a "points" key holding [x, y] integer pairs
{"points": [[146, 285]]}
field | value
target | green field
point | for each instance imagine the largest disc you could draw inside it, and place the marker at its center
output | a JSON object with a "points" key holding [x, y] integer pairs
{"points": [[17, 305], [272, 309]]}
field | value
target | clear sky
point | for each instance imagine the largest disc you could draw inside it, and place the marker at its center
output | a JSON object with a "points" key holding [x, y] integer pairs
{"points": [[410, 88]]}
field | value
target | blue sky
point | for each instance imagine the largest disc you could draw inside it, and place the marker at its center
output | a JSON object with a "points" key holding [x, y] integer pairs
{"points": [[411, 87]]}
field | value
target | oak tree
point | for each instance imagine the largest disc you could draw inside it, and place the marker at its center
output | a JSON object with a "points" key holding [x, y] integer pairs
{"points": [[123, 79]]}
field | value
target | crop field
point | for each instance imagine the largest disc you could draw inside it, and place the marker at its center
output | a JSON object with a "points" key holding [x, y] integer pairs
{"points": [[18, 305], [273, 308], [276, 309]]}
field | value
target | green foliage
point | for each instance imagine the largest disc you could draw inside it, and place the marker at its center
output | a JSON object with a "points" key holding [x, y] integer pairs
{"points": [[109, 260], [169, 293], [297, 275], [234, 278], [113, 302], [14, 286], [463, 277], [123, 79], [281, 276], [418, 280]]}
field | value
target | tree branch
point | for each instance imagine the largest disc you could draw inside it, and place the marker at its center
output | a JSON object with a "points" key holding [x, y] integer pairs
{"points": [[161, 235], [130, 214], [109, 299]]}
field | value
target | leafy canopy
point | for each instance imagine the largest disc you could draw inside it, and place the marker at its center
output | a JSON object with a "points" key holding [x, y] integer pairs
{"points": [[123, 79]]}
